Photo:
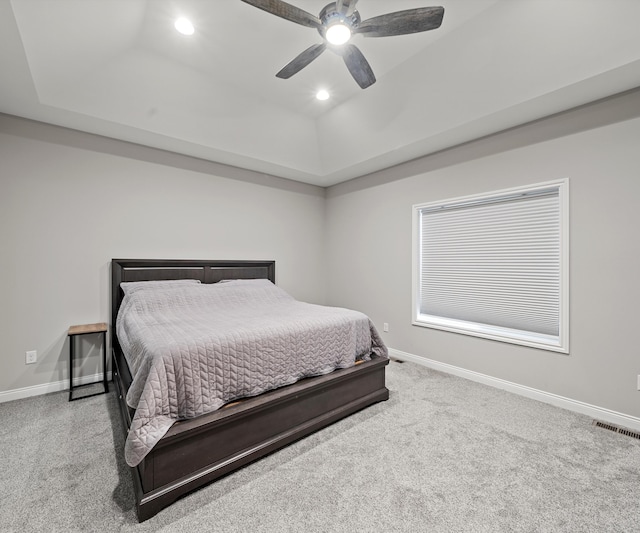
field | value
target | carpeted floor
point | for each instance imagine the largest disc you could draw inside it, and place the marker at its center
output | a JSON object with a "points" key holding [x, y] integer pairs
{"points": [[443, 454]]}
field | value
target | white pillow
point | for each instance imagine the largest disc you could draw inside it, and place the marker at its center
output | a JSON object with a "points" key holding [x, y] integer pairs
{"points": [[129, 287]]}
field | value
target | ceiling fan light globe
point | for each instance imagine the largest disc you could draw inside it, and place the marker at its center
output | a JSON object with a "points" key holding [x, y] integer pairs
{"points": [[184, 26], [338, 34]]}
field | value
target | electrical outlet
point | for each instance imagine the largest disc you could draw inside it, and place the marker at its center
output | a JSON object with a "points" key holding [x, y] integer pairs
{"points": [[31, 357], [385, 327]]}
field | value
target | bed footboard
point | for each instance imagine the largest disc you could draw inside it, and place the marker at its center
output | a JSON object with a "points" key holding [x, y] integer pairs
{"points": [[196, 452]]}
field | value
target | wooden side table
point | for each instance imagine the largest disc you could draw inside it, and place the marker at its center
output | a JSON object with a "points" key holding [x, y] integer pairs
{"points": [[86, 329]]}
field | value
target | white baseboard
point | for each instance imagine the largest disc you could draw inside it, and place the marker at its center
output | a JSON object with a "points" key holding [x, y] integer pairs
{"points": [[593, 411], [56, 386]]}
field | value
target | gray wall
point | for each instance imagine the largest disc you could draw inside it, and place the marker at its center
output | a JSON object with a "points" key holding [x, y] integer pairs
{"points": [[369, 251], [70, 202]]}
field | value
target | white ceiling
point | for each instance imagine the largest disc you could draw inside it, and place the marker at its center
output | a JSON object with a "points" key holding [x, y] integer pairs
{"points": [[118, 68]]}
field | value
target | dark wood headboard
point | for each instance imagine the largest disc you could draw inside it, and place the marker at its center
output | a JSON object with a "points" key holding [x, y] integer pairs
{"points": [[158, 269]]}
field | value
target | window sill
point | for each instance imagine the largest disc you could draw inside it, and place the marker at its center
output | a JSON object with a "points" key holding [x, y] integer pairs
{"points": [[513, 336]]}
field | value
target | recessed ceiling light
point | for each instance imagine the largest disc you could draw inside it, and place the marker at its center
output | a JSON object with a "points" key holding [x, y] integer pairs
{"points": [[184, 26], [338, 34], [322, 95]]}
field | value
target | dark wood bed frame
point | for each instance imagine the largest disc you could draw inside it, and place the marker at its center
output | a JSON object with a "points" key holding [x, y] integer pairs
{"points": [[196, 452]]}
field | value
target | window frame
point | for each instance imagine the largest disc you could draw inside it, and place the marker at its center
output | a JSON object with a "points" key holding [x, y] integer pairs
{"points": [[546, 342]]}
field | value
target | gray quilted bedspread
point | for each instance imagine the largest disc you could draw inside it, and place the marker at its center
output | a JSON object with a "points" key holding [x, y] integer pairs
{"points": [[192, 348]]}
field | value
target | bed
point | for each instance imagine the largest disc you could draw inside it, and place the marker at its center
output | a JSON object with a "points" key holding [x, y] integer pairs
{"points": [[196, 451]]}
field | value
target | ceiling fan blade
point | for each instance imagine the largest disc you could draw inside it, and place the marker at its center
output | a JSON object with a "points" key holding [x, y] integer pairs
{"points": [[402, 22], [346, 7], [358, 66], [301, 61], [286, 11]]}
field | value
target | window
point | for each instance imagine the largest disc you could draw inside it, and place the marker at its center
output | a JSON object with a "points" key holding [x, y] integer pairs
{"points": [[495, 265]]}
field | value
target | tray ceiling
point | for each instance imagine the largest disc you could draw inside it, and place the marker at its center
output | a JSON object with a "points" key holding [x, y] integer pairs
{"points": [[118, 68]]}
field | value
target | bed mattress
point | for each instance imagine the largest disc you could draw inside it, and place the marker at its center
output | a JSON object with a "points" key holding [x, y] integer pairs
{"points": [[193, 347]]}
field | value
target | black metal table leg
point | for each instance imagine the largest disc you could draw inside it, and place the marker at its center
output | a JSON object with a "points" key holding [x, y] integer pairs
{"points": [[71, 357], [105, 381]]}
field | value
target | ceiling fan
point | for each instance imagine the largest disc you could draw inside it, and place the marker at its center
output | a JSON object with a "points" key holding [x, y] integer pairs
{"points": [[338, 21]]}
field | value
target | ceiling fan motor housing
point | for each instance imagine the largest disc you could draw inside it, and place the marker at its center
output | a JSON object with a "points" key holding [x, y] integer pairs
{"points": [[330, 16]]}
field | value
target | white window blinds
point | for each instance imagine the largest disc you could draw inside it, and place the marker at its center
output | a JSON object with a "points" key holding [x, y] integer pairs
{"points": [[493, 266]]}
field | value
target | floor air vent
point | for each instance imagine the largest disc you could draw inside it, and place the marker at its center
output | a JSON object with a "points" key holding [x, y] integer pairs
{"points": [[616, 429]]}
